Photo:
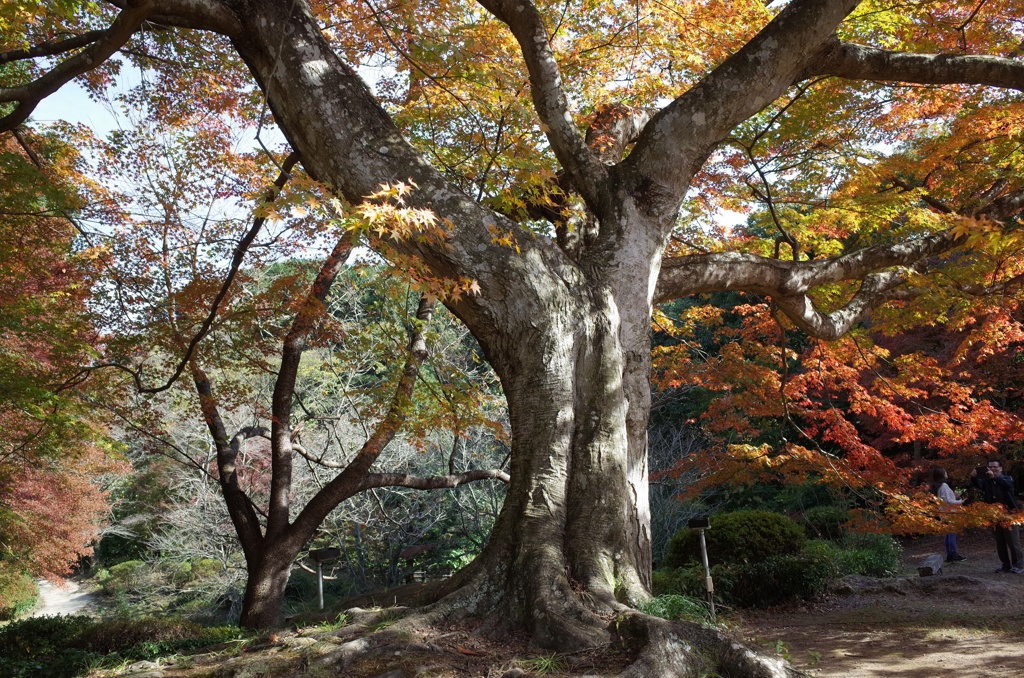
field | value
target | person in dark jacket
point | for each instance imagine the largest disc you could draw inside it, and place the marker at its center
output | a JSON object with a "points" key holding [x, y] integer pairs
{"points": [[997, 488]]}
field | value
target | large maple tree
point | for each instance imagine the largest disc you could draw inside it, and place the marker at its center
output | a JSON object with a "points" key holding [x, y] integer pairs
{"points": [[565, 152]]}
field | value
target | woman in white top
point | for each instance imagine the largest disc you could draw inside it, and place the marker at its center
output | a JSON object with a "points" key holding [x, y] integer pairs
{"points": [[943, 491]]}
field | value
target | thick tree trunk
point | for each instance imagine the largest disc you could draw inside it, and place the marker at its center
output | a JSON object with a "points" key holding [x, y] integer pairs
{"points": [[570, 343], [568, 336], [268, 573], [572, 544]]}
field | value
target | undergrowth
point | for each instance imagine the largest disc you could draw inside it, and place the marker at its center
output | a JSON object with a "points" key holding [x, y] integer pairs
{"points": [[66, 646]]}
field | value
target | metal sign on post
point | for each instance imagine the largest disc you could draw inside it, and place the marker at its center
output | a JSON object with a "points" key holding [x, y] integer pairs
{"points": [[700, 524], [321, 556]]}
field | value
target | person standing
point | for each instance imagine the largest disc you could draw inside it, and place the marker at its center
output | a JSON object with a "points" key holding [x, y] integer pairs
{"points": [[997, 488], [942, 490]]}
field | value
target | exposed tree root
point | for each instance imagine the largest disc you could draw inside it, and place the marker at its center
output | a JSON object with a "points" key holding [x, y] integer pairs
{"points": [[660, 648], [688, 650]]}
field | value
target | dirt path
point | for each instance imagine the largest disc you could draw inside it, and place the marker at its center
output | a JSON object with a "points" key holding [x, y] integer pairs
{"points": [[967, 622], [67, 599]]}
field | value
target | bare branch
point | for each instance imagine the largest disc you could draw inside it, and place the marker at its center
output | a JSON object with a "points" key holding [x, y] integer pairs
{"points": [[236, 262], [789, 282], [431, 482], [857, 62], [348, 482], [319, 461]]}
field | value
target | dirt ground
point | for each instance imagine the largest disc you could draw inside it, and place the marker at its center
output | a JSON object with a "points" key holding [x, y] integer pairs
{"points": [[966, 622], [66, 599]]}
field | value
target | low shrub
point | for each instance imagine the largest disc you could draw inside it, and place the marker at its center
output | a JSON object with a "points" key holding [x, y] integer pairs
{"points": [[689, 581], [43, 647], [149, 638], [206, 568], [739, 537], [787, 576], [758, 584], [126, 576], [181, 573], [871, 555], [18, 592], [825, 522], [769, 582], [61, 647]]}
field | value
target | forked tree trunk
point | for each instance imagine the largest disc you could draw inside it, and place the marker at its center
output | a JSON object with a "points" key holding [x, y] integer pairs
{"points": [[569, 340], [567, 334]]}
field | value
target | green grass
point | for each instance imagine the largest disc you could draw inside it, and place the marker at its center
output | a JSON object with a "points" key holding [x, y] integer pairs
{"points": [[678, 607], [545, 665]]}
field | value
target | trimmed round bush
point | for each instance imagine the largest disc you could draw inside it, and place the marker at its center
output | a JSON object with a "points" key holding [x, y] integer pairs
{"points": [[739, 537]]}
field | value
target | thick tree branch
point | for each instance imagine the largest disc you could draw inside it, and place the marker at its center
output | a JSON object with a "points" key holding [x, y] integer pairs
{"points": [[683, 276], [677, 140], [1005, 206], [207, 15], [876, 289], [585, 171], [99, 45], [431, 482], [789, 282], [857, 62], [614, 127], [28, 96], [52, 48]]}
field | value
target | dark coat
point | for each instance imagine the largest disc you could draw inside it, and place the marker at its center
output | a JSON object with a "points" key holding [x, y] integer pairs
{"points": [[997, 490]]}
